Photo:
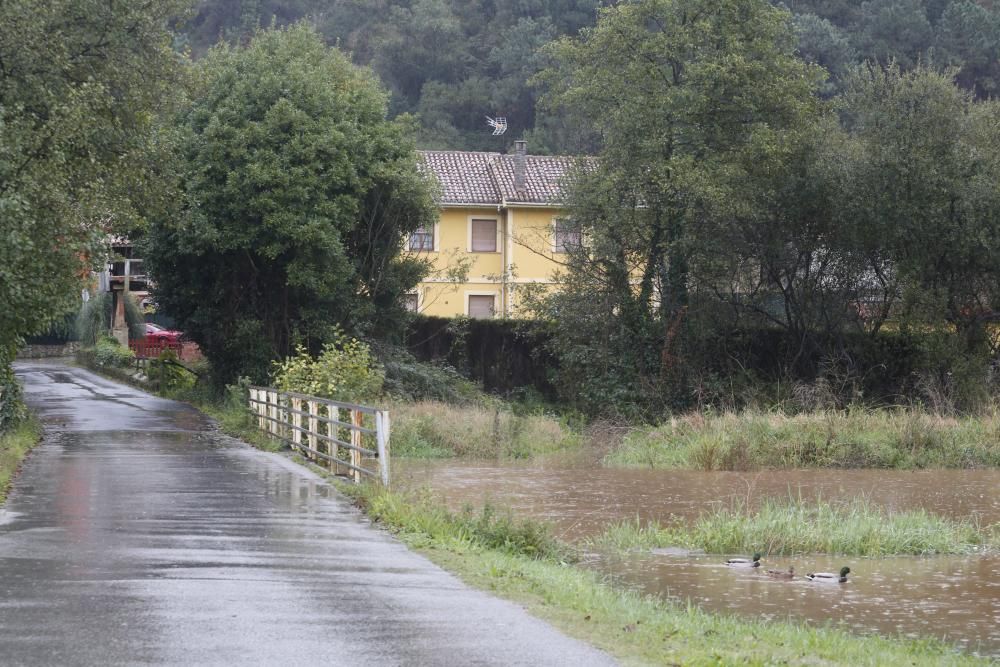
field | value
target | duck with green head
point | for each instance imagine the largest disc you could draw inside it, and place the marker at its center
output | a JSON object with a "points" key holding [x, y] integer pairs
{"points": [[745, 562], [829, 577]]}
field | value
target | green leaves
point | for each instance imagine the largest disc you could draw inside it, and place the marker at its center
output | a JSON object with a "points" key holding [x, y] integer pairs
{"points": [[297, 194], [77, 85]]}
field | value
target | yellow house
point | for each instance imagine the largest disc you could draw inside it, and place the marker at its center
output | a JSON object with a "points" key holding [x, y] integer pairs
{"points": [[500, 228]]}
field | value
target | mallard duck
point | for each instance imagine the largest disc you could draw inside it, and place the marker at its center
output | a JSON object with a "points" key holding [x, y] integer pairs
{"points": [[829, 577], [781, 574], [744, 562]]}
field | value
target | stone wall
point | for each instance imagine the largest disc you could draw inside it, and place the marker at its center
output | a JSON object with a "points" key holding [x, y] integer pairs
{"points": [[45, 351]]}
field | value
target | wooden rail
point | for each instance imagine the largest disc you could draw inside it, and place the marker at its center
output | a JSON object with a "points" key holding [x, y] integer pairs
{"points": [[342, 435]]}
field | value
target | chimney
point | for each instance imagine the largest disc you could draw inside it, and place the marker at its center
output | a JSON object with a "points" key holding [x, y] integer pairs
{"points": [[520, 166]]}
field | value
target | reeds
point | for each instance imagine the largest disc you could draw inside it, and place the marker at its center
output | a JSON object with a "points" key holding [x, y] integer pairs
{"points": [[796, 526], [857, 438], [431, 429]]}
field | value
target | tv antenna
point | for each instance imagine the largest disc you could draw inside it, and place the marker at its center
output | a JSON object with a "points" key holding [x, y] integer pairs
{"points": [[499, 125]]}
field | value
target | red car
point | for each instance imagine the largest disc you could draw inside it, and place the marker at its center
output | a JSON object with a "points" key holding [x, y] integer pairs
{"points": [[157, 334]]}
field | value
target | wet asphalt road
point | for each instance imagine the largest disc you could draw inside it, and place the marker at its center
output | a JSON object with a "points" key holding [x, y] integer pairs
{"points": [[135, 534]]}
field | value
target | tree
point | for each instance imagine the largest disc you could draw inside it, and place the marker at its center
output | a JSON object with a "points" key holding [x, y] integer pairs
{"points": [[297, 194], [78, 81], [895, 30], [677, 89], [822, 43], [968, 37], [924, 171]]}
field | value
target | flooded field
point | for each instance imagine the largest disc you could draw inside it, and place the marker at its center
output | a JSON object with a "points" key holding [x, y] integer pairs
{"points": [[957, 599]]}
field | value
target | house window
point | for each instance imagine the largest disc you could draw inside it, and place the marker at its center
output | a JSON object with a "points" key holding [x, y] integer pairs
{"points": [[484, 236], [422, 239], [482, 307], [567, 236], [410, 302]]}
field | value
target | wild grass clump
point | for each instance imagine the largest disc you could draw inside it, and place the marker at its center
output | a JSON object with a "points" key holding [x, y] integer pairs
{"points": [[94, 319], [795, 526], [430, 429], [855, 438], [14, 446], [486, 529]]}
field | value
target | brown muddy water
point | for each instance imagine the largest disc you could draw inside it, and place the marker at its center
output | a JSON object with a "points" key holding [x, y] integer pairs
{"points": [[957, 599]]}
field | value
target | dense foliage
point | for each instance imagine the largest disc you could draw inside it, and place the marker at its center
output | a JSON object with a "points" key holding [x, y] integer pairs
{"points": [[344, 370], [451, 61], [78, 81], [296, 193], [727, 199]]}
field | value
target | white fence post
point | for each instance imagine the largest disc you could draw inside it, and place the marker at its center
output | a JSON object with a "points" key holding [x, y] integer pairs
{"points": [[382, 440]]}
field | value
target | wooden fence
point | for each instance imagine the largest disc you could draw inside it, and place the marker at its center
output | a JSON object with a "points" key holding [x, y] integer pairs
{"points": [[151, 349], [314, 427]]}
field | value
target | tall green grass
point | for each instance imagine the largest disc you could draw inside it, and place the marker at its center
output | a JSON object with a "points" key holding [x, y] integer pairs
{"points": [[14, 446], [795, 526], [855, 438], [635, 628], [431, 429]]}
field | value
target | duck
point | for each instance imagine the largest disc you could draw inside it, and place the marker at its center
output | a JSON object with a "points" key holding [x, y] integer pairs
{"points": [[829, 577], [781, 574], [745, 562]]}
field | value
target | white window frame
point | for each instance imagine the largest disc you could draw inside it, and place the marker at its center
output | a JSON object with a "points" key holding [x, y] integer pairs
{"points": [[435, 231], [420, 299], [555, 247], [496, 221], [494, 294]]}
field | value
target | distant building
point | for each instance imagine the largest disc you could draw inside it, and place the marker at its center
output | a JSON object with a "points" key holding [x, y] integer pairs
{"points": [[502, 215]]}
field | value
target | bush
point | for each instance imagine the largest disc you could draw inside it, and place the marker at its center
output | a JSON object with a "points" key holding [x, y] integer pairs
{"points": [[167, 374], [412, 380], [94, 319], [109, 353], [345, 370], [134, 318], [12, 408]]}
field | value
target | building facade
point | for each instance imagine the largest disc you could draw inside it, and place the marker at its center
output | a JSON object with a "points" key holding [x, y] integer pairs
{"points": [[501, 227]]}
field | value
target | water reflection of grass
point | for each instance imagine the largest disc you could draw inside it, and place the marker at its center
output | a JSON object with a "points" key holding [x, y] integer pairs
{"points": [[796, 526], [518, 562], [14, 446], [856, 438]]}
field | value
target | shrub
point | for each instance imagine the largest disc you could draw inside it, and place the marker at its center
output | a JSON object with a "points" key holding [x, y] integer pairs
{"points": [[413, 380], [345, 370], [167, 374], [134, 318], [94, 319], [109, 353], [12, 408]]}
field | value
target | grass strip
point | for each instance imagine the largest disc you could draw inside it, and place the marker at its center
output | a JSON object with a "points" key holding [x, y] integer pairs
{"points": [[637, 629], [796, 526], [856, 438], [14, 446]]}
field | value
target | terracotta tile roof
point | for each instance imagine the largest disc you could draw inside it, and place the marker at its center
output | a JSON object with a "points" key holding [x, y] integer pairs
{"points": [[488, 178], [465, 177], [544, 178]]}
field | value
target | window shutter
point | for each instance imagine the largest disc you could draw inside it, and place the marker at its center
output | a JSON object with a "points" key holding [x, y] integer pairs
{"points": [[481, 307], [567, 236], [484, 236]]}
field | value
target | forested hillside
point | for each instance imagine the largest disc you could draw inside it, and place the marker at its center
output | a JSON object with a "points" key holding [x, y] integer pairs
{"points": [[453, 62]]}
